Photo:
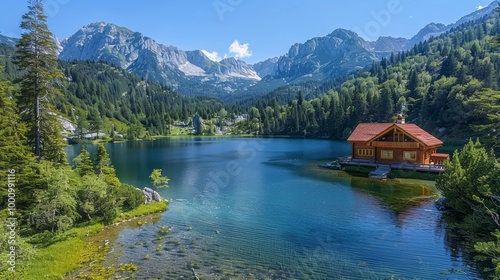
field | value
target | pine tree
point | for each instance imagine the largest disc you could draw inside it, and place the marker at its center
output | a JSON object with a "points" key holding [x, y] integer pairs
{"points": [[36, 55], [412, 85], [56, 203], [484, 109], [95, 121], [92, 191], [12, 131], [198, 125], [83, 163], [104, 168], [81, 124], [450, 66], [15, 156]]}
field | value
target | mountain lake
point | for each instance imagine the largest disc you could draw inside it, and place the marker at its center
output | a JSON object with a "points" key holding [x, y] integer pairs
{"points": [[261, 208]]}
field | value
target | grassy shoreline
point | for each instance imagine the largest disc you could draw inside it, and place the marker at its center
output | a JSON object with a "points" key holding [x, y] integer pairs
{"points": [[79, 252]]}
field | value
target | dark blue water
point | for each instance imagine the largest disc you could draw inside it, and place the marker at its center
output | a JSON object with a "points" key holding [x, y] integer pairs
{"points": [[247, 208]]}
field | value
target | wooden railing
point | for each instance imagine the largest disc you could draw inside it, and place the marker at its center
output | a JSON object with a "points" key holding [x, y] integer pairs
{"points": [[384, 144]]}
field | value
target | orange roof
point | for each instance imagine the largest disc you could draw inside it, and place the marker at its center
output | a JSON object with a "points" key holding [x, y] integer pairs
{"points": [[420, 134], [365, 132]]}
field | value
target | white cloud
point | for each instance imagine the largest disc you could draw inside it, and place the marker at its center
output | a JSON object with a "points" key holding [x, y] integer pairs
{"points": [[479, 7], [239, 50], [213, 56]]}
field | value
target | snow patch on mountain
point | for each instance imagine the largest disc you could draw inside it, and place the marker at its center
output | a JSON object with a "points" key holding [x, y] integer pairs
{"points": [[191, 70]]}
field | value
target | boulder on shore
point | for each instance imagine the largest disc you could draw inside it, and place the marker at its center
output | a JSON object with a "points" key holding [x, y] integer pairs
{"points": [[151, 195]]}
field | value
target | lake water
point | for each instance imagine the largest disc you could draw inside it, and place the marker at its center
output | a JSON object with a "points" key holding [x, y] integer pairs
{"points": [[247, 208]]}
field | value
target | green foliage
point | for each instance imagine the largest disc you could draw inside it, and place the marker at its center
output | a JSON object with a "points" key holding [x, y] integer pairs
{"points": [[24, 252], [449, 81], [51, 198], [36, 55], [55, 206], [485, 116], [83, 163], [490, 250], [54, 261], [198, 125], [471, 185], [143, 209], [119, 96], [95, 121], [470, 180], [136, 131], [158, 180], [104, 168], [91, 192], [14, 154], [129, 197]]}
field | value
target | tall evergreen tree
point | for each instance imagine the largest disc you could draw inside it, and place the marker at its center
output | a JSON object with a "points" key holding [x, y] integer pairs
{"points": [[104, 169], [36, 55], [96, 122], [14, 154], [484, 116], [56, 202], [12, 132], [83, 163]]}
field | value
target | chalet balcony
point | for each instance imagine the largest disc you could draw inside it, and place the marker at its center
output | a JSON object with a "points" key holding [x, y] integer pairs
{"points": [[387, 144]]}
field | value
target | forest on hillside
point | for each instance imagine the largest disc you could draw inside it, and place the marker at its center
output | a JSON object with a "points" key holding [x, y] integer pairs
{"points": [[448, 85], [97, 97], [44, 199]]}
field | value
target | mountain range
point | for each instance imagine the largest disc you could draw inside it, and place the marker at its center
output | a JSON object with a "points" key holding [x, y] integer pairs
{"points": [[194, 73]]}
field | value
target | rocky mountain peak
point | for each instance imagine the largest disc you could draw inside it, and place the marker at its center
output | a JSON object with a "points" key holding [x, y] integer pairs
{"points": [[319, 58]]}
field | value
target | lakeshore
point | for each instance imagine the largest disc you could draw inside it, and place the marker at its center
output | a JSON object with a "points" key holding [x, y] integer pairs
{"points": [[89, 245], [237, 201]]}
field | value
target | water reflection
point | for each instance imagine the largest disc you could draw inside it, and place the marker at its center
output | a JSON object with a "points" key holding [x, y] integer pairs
{"points": [[280, 217]]}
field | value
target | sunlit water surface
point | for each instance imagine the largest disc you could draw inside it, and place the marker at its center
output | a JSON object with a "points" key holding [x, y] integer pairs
{"points": [[247, 208]]}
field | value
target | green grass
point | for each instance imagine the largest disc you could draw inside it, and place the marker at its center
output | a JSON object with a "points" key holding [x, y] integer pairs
{"points": [[142, 210], [75, 250], [358, 170], [56, 260], [413, 175]]}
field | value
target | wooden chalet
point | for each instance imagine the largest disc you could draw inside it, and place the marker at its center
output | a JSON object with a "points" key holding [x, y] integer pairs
{"points": [[395, 143]]}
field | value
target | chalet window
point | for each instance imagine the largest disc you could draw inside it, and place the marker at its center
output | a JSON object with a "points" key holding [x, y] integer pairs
{"points": [[399, 137], [365, 152], [410, 155], [385, 154]]}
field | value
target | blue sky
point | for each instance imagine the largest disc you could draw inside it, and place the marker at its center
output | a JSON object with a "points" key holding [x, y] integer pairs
{"points": [[251, 30]]}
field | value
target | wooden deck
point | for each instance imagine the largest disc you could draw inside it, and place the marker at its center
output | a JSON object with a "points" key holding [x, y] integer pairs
{"points": [[433, 168]]}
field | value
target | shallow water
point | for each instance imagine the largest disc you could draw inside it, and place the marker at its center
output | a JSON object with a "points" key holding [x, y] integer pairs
{"points": [[261, 208]]}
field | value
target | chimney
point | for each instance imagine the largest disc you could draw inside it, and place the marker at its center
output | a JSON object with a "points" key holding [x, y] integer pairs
{"points": [[401, 119]]}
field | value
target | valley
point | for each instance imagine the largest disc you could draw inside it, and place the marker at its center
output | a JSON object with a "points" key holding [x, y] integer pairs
{"points": [[234, 148]]}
